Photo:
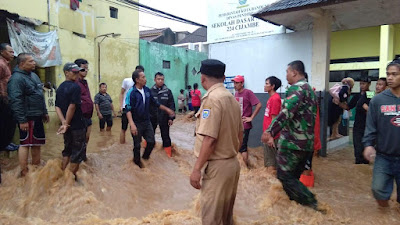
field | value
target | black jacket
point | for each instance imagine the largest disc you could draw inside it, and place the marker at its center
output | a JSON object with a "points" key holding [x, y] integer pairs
{"points": [[164, 96], [25, 94], [383, 124]]}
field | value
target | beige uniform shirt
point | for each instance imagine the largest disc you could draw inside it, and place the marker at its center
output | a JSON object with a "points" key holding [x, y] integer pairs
{"points": [[219, 117]]}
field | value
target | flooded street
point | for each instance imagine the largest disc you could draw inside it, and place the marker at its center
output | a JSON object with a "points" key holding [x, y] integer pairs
{"points": [[112, 190]]}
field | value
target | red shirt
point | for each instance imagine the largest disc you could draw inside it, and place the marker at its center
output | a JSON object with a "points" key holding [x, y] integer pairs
{"points": [[317, 137], [196, 97], [273, 108]]}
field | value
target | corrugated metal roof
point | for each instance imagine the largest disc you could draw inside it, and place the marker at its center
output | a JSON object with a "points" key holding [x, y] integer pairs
{"points": [[291, 4], [154, 32], [299, 15]]}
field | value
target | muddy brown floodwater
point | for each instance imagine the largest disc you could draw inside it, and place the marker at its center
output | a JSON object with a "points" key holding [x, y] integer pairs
{"points": [[112, 190]]}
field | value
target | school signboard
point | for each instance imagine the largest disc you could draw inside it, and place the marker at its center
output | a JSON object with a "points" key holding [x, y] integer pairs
{"points": [[231, 20]]}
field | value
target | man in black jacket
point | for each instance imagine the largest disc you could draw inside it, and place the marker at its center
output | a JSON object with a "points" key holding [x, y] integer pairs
{"points": [[163, 95], [381, 138], [27, 103]]}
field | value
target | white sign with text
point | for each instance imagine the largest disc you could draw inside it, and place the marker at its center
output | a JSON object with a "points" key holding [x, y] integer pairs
{"points": [[232, 19]]}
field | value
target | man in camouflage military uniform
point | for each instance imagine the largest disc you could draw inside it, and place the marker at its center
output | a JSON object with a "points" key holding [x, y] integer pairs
{"points": [[296, 124]]}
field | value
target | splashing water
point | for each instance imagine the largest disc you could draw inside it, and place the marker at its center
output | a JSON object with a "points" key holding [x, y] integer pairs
{"points": [[112, 190]]}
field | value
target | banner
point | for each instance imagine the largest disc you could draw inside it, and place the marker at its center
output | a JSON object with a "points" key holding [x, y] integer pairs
{"points": [[232, 19], [44, 46]]}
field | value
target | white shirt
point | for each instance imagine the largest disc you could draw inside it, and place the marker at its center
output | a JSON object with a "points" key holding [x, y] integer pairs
{"points": [[127, 83], [142, 92]]}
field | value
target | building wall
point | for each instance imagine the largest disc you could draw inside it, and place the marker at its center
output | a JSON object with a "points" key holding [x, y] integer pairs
{"points": [[357, 43], [363, 42], [259, 58], [77, 31], [397, 39], [25, 8], [183, 63]]}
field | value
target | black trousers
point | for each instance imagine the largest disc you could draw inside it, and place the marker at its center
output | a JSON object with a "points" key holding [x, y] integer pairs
{"points": [[146, 131], [358, 146], [164, 127]]}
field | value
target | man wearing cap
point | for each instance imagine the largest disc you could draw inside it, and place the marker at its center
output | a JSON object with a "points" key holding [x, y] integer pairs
{"points": [[25, 93], [219, 133], [247, 100], [68, 108]]}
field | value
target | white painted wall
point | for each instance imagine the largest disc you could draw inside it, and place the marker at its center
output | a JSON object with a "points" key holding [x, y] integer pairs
{"points": [[259, 58]]}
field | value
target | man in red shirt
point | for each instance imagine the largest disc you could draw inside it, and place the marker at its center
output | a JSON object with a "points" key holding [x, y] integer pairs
{"points": [[274, 105], [247, 100]]}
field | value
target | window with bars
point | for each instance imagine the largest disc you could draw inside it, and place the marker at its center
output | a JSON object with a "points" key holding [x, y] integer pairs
{"points": [[166, 64]]}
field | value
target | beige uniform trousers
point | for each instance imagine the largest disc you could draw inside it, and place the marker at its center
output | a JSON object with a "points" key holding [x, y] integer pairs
{"points": [[218, 191]]}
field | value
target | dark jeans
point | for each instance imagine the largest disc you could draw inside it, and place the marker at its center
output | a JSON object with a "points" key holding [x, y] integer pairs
{"points": [[358, 146], [386, 171], [246, 134], [291, 164], [164, 128], [145, 130]]}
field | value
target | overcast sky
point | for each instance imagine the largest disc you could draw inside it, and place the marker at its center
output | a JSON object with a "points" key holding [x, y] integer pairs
{"points": [[194, 10]]}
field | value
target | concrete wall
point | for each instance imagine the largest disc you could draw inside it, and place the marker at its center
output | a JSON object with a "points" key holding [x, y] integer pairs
{"points": [[183, 63], [259, 58]]}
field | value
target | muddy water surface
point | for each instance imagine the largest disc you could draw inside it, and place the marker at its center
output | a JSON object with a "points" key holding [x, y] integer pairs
{"points": [[112, 190]]}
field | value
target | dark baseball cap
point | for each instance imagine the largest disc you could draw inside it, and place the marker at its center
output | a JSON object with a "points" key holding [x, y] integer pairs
{"points": [[213, 68], [72, 67]]}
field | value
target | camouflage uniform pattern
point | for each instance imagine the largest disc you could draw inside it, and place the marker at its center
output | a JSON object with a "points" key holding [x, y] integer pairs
{"points": [[297, 118], [296, 144], [291, 163]]}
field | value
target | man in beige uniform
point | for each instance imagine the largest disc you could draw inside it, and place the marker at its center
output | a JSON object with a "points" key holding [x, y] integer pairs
{"points": [[219, 132]]}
